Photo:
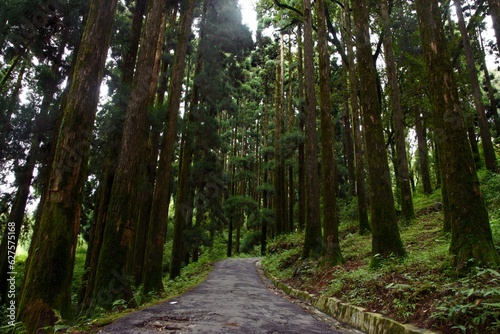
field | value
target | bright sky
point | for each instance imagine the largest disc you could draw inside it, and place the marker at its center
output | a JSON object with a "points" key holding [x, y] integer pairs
{"points": [[249, 14]]}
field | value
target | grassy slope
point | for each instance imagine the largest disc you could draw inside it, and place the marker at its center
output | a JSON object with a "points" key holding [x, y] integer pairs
{"points": [[419, 289]]}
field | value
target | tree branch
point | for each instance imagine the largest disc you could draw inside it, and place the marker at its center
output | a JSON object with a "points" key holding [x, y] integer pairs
{"points": [[285, 6], [335, 39]]}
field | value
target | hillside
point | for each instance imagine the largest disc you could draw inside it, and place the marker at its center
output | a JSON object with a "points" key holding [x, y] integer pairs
{"points": [[420, 289]]}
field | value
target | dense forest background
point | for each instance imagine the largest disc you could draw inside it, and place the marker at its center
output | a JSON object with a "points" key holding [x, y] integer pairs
{"points": [[132, 125]]}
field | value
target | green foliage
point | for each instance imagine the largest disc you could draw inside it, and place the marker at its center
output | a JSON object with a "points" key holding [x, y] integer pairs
{"points": [[18, 327], [234, 203], [490, 187], [348, 210], [79, 270], [250, 241], [409, 289], [421, 200], [283, 254], [473, 305], [195, 273]]}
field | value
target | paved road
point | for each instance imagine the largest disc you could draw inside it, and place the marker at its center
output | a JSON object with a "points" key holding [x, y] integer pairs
{"points": [[233, 299]]}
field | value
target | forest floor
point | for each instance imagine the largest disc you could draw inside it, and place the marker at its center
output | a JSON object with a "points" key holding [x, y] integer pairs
{"points": [[419, 289]]}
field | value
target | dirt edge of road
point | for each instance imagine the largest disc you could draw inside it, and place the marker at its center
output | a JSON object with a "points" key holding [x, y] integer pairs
{"points": [[271, 283], [330, 309]]}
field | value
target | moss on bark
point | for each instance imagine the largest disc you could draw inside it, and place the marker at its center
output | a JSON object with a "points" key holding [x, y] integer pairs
{"points": [[471, 238]]}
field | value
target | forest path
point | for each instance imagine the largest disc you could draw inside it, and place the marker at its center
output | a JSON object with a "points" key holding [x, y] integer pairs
{"points": [[233, 299]]}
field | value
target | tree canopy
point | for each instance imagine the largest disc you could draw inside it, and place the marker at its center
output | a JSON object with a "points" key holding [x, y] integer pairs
{"points": [[133, 125]]}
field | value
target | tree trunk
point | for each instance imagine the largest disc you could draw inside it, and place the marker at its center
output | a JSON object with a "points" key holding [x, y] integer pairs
{"points": [[50, 271], [386, 240], [152, 276], [329, 184], [112, 270], [6, 114], [148, 172], [470, 229], [130, 56], [490, 160], [313, 241], [301, 193], [364, 224], [280, 195], [471, 133], [423, 155], [407, 211], [232, 187], [182, 203], [291, 123], [112, 146], [494, 6], [493, 107], [347, 135], [25, 175], [265, 180]]}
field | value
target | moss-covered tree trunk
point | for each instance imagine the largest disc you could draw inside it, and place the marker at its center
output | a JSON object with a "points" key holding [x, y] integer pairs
{"points": [[385, 233], [403, 174], [182, 204], [265, 178], [301, 191], [332, 253], [112, 146], [280, 195], [347, 138], [148, 172], [49, 273], [470, 229], [360, 188], [112, 272], [313, 240], [490, 160], [290, 128], [152, 274]]}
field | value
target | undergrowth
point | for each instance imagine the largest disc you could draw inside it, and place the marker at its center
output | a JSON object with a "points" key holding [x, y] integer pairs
{"points": [[417, 289], [191, 275]]}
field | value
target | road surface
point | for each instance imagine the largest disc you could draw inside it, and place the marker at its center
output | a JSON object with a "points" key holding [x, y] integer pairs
{"points": [[235, 298]]}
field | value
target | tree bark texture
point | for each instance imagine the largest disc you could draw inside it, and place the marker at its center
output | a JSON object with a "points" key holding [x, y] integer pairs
{"points": [[313, 239], [364, 223], [329, 184], [470, 229], [386, 240], [301, 192], [112, 271], [112, 146], [484, 128], [280, 195], [49, 273], [152, 276], [403, 174]]}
